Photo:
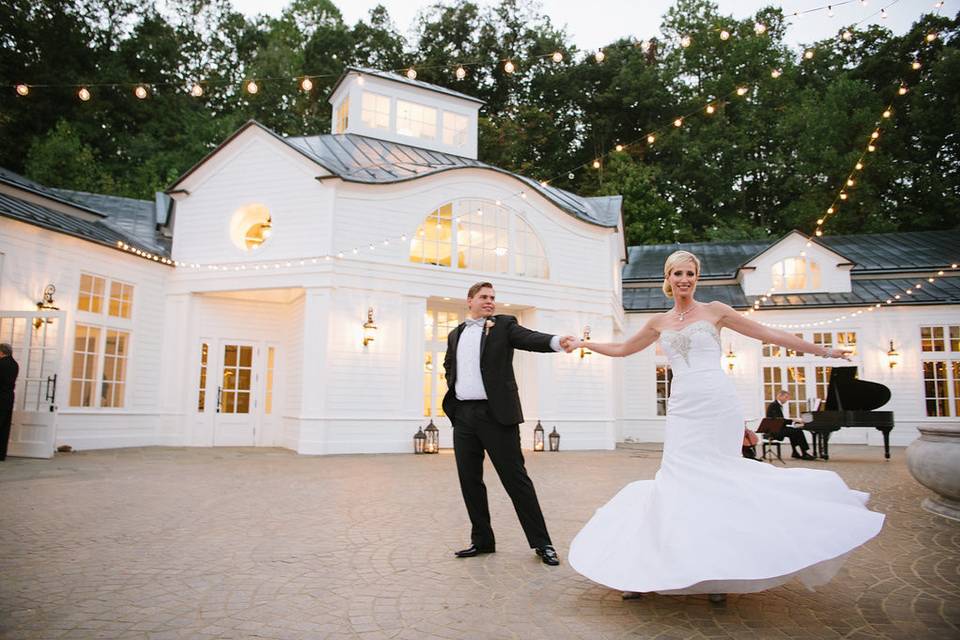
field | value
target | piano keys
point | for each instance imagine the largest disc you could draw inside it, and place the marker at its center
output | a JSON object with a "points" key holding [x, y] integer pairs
{"points": [[850, 403]]}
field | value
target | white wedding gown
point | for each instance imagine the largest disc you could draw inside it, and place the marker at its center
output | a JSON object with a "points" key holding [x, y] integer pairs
{"points": [[712, 521]]}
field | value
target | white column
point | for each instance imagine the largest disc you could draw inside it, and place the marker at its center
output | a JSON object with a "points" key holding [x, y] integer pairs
{"points": [[313, 383]]}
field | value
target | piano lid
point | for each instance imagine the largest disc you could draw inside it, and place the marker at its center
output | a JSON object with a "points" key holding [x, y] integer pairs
{"points": [[847, 393]]}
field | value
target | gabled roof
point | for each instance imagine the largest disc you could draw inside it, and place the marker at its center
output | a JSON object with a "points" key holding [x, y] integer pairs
{"points": [[394, 77], [135, 218], [863, 292], [365, 160], [21, 182], [92, 230], [870, 253]]}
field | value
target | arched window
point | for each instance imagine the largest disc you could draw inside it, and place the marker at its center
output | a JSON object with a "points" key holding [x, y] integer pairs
{"points": [[483, 236], [796, 273]]}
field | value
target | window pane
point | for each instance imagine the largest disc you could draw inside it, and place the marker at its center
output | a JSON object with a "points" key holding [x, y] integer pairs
{"points": [[375, 111], [416, 120], [935, 388], [955, 338], [84, 369]]}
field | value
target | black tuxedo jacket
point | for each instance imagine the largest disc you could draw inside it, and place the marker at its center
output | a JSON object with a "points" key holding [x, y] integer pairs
{"points": [[774, 410], [496, 366]]}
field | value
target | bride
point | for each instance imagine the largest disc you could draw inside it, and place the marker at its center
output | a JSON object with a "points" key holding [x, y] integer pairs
{"points": [[712, 521]]}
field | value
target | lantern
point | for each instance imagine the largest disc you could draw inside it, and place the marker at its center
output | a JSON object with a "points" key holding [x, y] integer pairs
{"points": [[554, 440], [432, 443], [538, 437], [369, 328], [893, 358], [731, 358], [419, 438], [46, 304]]}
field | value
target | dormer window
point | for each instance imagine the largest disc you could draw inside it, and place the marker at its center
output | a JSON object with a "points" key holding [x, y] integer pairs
{"points": [[343, 116], [375, 110], [416, 120], [798, 273], [455, 128]]}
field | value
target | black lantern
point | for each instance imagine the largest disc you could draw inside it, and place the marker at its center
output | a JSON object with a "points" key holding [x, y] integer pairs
{"points": [[538, 437], [419, 438], [554, 440], [432, 444]]}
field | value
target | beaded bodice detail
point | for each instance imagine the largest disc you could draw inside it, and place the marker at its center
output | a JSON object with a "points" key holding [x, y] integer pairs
{"points": [[695, 346]]}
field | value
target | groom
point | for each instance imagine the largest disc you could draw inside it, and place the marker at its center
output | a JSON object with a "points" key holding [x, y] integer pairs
{"points": [[484, 406]]}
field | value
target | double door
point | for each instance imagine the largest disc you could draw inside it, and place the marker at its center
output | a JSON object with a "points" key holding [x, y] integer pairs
{"points": [[241, 388]]}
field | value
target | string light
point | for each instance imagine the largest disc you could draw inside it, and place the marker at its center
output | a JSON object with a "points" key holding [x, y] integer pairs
{"points": [[596, 164], [599, 56], [760, 28], [252, 88], [84, 94], [902, 90], [619, 147], [140, 92], [557, 56], [857, 166], [871, 148], [915, 65], [651, 138], [710, 109], [306, 84], [685, 41], [412, 73], [887, 113], [196, 90], [931, 36], [776, 73], [724, 34], [847, 35], [22, 89], [742, 91], [808, 54], [461, 73], [678, 122], [509, 67]]}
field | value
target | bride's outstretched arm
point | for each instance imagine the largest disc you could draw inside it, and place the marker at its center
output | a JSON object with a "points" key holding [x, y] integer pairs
{"points": [[638, 342], [730, 319]]}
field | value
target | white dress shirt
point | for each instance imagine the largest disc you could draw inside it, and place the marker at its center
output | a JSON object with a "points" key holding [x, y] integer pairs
{"points": [[469, 385]]}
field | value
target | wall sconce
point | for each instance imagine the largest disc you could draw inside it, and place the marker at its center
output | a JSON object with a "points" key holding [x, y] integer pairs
{"points": [[731, 357], [893, 358], [46, 304], [369, 328], [586, 336], [538, 437]]}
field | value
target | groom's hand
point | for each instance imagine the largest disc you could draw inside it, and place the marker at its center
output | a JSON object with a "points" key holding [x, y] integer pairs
{"points": [[568, 343]]}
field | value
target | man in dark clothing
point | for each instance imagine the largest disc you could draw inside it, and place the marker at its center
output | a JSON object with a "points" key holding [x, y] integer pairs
{"points": [[797, 439], [9, 369]]}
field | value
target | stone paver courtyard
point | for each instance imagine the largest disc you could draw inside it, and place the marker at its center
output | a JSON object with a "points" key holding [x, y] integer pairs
{"points": [[262, 543]]}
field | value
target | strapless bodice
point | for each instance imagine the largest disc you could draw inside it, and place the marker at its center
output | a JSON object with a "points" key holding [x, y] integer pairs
{"points": [[695, 347]]}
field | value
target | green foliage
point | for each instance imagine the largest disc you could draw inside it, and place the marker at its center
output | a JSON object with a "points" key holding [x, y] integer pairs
{"points": [[762, 164]]}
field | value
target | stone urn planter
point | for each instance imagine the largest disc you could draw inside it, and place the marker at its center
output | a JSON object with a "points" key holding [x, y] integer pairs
{"points": [[934, 461]]}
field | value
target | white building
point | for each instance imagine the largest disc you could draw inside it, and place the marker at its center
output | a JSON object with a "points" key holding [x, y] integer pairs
{"points": [[234, 315]]}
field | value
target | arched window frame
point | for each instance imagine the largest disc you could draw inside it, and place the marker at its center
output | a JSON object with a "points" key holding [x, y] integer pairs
{"points": [[439, 239]]}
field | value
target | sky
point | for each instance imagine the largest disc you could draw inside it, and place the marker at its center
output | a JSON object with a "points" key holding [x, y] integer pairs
{"points": [[594, 23]]}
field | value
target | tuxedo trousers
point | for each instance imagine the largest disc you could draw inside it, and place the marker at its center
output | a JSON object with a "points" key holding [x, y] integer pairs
{"points": [[475, 433], [6, 416]]}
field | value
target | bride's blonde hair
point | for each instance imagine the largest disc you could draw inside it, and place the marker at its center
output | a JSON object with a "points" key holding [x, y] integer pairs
{"points": [[675, 258]]}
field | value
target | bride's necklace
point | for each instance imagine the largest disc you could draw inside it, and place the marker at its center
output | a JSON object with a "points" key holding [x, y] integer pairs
{"points": [[683, 314]]}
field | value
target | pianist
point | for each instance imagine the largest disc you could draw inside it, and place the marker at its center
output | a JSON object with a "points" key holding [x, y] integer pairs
{"points": [[798, 442]]}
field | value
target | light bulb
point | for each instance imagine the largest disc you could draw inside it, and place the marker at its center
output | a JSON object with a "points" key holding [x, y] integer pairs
{"points": [[847, 35], [902, 90], [678, 122], [645, 46], [830, 210], [557, 56], [140, 92], [724, 35], [596, 164], [886, 113], [306, 84], [252, 87], [742, 91], [775, 73], [760, 28], [412, 73], [843, 196], [915, 65], [849, 182], [819, 232], [599, 55], [871, 148], [651, 139], [509, 67], [685, 41], [819, 221], [874, 135], [22, 89], [461, 73], [619, 147], [84, 94], [859, 166], [196, 90], [808, 54], [931, 36], [710, 109]]}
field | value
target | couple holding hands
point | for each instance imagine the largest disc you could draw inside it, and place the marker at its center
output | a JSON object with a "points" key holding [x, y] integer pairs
{"points": [[682, 532]]}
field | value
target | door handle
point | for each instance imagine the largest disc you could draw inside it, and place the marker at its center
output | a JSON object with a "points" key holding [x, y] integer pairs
{"points": [[219, 397], [51, 394]]}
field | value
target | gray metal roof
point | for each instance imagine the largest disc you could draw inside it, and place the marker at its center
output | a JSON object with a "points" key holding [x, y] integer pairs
{"points": [[135, 218], [870, 253], [21, 182], [356, 158], [394, 77], [94, 231], [864, 292]]}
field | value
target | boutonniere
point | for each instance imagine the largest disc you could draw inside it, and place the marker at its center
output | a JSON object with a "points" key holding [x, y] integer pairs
{"points": [[487, 325]]}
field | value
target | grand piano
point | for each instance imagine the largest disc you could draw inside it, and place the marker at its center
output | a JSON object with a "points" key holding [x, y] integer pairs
{"points": [[850, 403]]}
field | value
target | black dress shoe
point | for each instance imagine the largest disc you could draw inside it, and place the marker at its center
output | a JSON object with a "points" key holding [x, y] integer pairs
{"points": [[796, 455], [807, 456], [549, 555], [473, 550]]}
